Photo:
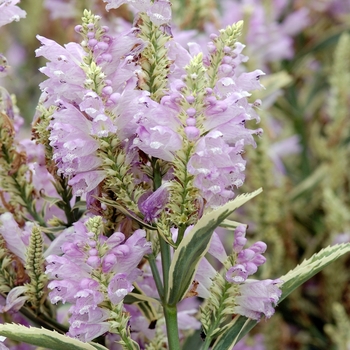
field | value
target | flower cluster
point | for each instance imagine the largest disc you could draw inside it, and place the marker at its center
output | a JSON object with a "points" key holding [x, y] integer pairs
{"points": [[278, 43], [253, 298], [138, 139], [89, 96], [94, 274], [247, 260]]}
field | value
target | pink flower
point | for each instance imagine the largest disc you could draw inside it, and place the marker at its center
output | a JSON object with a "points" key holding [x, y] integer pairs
{"points": [[75, 148], [159, 11], [157, 132], [66, 77], [14, 300], [89, 325], [9, 12], [74, 276], [13, 235], [217, 167], [154, 204], [257, 298]]}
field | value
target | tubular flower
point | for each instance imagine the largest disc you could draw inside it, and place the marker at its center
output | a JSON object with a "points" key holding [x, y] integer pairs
{"points": [[159, 11], [248, 297], [91, 86], [257, 297], [94, 274]]}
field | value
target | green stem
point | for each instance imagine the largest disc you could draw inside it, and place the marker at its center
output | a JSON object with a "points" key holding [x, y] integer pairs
{"points": [[206, 344], [30, 206], [170, 314], [157, 177], [166, 261], [156, 276], [66, 195]]}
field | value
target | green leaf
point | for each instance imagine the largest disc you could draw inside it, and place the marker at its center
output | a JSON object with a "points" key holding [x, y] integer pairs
{"points": [[241, 325], [54, 229], [235, 331], [309, 184], [194, 246], [308, 268], [80, 205], [51, 200], [230, 224], [134, 298], [45, 338], [194, 341]]}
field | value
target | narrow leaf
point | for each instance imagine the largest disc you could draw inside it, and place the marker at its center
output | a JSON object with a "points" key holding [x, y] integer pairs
{"points": [[194, 341], [236, 330], [80, 205], [51, 200], [133, 298], [194, 246], [45, 338], [230, 224], [308, 268]]}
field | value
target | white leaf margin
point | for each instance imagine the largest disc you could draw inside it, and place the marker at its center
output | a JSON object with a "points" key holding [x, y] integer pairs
{"points": [[45, 338]]}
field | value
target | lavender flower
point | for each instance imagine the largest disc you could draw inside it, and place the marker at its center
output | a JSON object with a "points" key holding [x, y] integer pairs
{"points": [[234, 293], [269, 37], [16, 239], [94, 274], [9, 12], [159, 11], [155, 203], [257, 297], [61, 9], [92, 86], [15, 300], [212, 121]]}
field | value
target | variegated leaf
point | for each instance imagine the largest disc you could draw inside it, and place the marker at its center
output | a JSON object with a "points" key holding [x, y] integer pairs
{"points": [[194, 246], [308, 268], [45, 338]]}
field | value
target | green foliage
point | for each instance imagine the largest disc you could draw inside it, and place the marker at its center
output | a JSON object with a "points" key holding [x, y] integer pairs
{"points": [[45, 338], [303, 209]]}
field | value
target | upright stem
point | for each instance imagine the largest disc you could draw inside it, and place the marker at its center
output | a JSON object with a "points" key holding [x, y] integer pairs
{"points": [[156, 276], [165, 254], [170, 312]]}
